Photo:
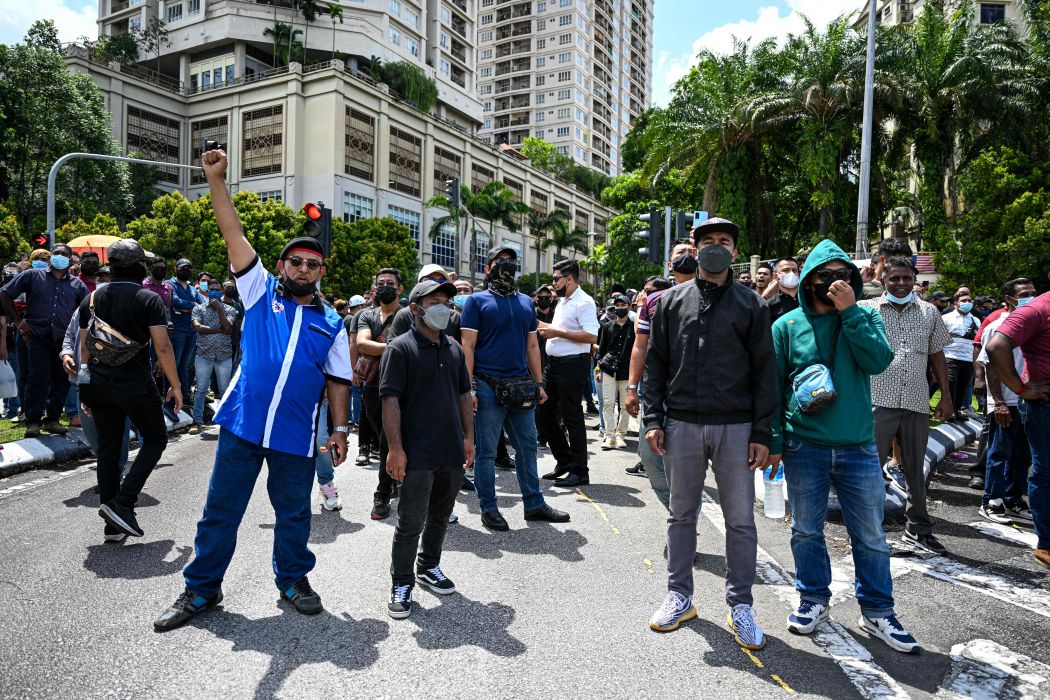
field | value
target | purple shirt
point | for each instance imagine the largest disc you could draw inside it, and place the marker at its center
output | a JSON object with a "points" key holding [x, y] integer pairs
{"points": [[162, 290]]}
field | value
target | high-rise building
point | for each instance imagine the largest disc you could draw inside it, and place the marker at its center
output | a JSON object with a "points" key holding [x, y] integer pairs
{"points": [[575, 73], [891, 12]]}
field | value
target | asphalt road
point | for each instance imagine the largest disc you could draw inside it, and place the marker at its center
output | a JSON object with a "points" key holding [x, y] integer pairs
{"points": [[542, 610]]}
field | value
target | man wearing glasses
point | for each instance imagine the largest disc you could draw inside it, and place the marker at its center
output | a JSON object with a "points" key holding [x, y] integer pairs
{"points": [[294, 347]]}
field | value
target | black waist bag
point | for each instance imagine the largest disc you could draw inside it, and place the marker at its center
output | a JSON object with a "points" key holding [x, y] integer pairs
{"points": [[517, 394]]}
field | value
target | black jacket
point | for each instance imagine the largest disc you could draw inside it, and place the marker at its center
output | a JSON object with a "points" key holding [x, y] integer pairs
{"points": [[618, 340], [713, 366]]}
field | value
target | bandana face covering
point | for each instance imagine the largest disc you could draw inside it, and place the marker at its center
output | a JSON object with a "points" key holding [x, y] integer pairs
{"points": [[501, 277]]}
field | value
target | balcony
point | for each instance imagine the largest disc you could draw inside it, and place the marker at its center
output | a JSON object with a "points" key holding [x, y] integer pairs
{"points": [[510, 49], [461, 4], [511, 120], [522, 64], [459, 26], [458, 76], [512, 85], [515, 102], [458, 51], [516, 12], [519, 29], [511, 138]]}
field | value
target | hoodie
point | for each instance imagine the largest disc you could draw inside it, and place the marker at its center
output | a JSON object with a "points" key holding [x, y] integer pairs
{"points": [[862, 351]]}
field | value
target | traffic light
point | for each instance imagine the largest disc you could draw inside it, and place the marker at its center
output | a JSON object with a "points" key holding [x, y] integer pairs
{"points": [[41, 240], [683, 224], [652, 237], [319, 225], [452, 191]]}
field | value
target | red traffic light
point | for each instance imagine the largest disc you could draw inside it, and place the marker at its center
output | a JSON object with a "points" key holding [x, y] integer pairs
{"points": [[312, 211], [41, 240]]}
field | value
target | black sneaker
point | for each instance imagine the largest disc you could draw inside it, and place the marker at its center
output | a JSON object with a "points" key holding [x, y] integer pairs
{"points": [[185, 606], [303, 597], [400, 605], [926, 543], [121, 517], [380, 507], [113, 535], [506, 464], [436, 581], [976, 483], [362, 457], [1019, 510], [636, 470], [995, 512]]}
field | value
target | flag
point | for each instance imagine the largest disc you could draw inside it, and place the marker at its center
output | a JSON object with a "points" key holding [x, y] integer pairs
{"points": [[924, 263]]}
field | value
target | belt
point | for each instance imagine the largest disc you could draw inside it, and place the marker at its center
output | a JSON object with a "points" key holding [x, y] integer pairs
{"points": [[563, 358]]}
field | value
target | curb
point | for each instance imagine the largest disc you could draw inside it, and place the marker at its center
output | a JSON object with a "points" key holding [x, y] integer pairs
{"points": [[32, 453]]}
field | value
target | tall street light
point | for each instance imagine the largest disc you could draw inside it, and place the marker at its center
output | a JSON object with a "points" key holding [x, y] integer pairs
{"points": [[865, 141]]}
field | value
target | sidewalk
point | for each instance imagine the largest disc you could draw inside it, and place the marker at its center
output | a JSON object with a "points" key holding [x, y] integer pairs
{"points": [[33, 453]]}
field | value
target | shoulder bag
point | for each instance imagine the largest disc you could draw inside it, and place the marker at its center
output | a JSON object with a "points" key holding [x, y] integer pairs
{"points": [[105, 344], [367, 367]]}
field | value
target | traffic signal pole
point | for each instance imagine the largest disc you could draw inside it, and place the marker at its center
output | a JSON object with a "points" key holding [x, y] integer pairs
{"points": [[52, 177], [667, 236]]}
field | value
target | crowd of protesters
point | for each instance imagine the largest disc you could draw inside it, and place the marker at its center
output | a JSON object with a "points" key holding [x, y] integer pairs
{"points": [[812, 365]]}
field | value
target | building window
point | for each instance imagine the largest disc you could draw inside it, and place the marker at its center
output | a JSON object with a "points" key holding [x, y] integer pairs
{"points": [[157, 138], [538, 201], [992, 13], [359, 144], [395, 7], [411, 18], [481, 176], [565, 20], [405, 162], [481, 252], [565, 39], [487, 124], [485, 54], [562, 131], [564, 75], [486, 89], [271, 196], [356, 207], [541, 6], [564, 94], [486, 19], [263, 141], [395, 36], [216, 129], [485, 72], [563, 113], [541, 43], [486, 36], [541, 62], [193, 7], [413, 46], [408, 218], [443, 247], [565, 57], [447, 165], [174, 13], [540, 116]]}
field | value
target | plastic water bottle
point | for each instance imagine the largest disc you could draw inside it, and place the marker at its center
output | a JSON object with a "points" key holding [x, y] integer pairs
{"points": [[773, 493], [84, 375]]}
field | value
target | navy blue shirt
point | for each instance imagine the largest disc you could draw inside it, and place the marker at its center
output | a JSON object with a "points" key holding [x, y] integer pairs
{"points": [[503, 325], [182, 302], [50, 302]]}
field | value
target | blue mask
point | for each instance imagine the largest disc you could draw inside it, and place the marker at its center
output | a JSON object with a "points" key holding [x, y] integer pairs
{"points": [[203, 286], [460, 300], [215, 294], [1024, 300], [59, 262], [39, 265], [965, 308], [900, 300]]}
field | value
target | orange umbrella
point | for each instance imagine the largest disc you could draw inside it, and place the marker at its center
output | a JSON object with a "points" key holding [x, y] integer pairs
{"points": [[97, 243]]}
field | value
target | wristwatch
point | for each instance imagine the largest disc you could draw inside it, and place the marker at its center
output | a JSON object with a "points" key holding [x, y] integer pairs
{"points": [[632, 387], [344, 429]]}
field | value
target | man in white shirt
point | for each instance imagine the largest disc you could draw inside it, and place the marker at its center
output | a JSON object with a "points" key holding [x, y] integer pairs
{"points": [[962, 326], [569, 337]]}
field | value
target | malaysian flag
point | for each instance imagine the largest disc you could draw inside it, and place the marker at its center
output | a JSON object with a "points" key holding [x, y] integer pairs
{"points": [[924, 263]]}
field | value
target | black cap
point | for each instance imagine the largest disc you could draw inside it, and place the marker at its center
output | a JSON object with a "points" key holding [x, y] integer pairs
{"points": [[717, 225], [429, 287], [493, 252], [311, 244], [939, 296], [183, 262], [104, 270], [125, 253]]}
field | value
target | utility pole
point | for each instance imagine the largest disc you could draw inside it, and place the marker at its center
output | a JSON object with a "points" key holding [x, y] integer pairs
{"points": [[865, 141], [667, 234]]}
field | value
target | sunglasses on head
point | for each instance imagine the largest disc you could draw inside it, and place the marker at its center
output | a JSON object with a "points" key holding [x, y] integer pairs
{"points": [[842, 274], [312, 264]]}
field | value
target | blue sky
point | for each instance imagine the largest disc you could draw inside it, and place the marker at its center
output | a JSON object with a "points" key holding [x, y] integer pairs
{"points": [[682, 27]]}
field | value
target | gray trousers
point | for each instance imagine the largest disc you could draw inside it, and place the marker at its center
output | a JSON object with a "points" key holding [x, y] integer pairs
{"points": [[911, 429], [689, 447]]}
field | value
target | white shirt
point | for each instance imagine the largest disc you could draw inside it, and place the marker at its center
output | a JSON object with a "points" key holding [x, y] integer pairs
{"points": [[574, 313], [960, 326], [1009, 397]]}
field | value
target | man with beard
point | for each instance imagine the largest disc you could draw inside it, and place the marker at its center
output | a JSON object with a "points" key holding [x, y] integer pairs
{"points": [[294, 348]]}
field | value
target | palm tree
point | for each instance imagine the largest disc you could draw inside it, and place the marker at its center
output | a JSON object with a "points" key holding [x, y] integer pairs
{"points": [[495, 204], [309, 9], [455, 214], [576, 241], [543, 227], [284, 41], [336, 13]]}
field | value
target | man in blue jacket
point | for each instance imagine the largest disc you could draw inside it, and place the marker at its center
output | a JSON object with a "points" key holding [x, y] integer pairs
{"points": [[184, 296]]}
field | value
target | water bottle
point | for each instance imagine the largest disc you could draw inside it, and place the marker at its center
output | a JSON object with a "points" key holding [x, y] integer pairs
{"points": [[773, 492], [84, 375]]}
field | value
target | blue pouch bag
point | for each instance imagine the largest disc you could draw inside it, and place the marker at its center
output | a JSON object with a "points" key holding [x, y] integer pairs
{"points": [[814, 386]]}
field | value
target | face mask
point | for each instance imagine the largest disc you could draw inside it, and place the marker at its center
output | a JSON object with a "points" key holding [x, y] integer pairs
{"points": [[298, 289], [183, 275], [504, 269], [59, 262], [965, 308], [158, 271], [387, 295], [632, 316], [8, 276], [39, 265], [203, 287], [231, 292], [436, 317], [544, 303], [1023, 300], [789, 280], [562, 292], [622, 313], [715, 259], [89, 267], [215, 294], [460, 300], [900, 300], [685, 264]]}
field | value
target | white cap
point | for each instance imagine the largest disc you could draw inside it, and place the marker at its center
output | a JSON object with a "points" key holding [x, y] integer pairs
{"points": [[429, 270], [356, 300]]}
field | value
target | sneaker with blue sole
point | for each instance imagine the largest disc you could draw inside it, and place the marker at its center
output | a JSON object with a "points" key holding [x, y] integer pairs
{"points": [[676, 609], [748, 634], [891, 632], [807, 617], [185, 606]]}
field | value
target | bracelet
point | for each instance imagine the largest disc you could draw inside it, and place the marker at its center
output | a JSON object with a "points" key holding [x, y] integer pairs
{"points": [[344, 429], [632, 387]]}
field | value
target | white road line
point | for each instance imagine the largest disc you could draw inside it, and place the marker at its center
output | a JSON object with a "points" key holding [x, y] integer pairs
{"points": [[57, 476], [982, 670], [1007, 532], [870, 680]]}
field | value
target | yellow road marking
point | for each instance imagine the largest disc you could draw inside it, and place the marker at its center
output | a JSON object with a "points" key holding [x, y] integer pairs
{"points": [[616, 531], [782, 684], [753, 658]]}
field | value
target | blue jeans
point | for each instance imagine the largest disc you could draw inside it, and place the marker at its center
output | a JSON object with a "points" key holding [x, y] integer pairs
{"points": [[521, 431], [653, 463], [322, 460], [289, 480], [72, 407], [87, 424], [857, 476], [184, 344], [222, 369], [1036, 418], [355, 404], [1006, 466]]}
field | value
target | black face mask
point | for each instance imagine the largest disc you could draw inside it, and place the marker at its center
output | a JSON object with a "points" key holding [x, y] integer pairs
{"points": [[89, 267], [820, 291], [231, 292], [184, 275], [298, 289], [544, 303], [622, 313], [501, 276], [158, 272], [387, 295], [685, 264], [715, 259], [562, 292]]}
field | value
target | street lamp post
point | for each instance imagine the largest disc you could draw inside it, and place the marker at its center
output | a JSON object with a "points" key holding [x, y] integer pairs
{"points": [[861, 248]]}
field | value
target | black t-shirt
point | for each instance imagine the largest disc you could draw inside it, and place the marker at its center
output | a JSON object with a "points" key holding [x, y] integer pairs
{"points": [[428, 378], [132, 310]]}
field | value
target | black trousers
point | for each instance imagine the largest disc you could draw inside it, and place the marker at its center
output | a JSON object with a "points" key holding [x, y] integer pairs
{"points": [[567, 383], [960, 379], [374, 407], [111, 409], [366, 436], [47, 384], [426, 500]]}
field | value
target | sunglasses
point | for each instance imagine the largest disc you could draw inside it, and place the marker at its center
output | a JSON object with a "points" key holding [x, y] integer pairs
{"points": [[312, 264], [560, 277], [842, 275]]}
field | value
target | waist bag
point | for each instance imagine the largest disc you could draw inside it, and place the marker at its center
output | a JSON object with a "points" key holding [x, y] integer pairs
{"points": [[515, 394], [107, 345], [814, 387]]}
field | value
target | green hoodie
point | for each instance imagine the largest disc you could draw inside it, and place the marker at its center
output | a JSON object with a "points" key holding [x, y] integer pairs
{"points": [[862, 351]]}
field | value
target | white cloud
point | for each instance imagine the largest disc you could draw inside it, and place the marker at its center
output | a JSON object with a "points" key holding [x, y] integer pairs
{"points": [[769, 23], [74, 18]]}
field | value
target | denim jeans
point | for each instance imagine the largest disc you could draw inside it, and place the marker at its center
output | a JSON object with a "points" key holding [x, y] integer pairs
{"points": [[289, 480], [322, 460], [184, 344], [222, 369], [1036, 418], [427, 499], [355, 404], [1006, 473], [855, 473], [87, 424], [521, 431]]}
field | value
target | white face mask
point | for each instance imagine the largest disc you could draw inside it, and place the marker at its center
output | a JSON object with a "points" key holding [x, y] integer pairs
{"points": [[789, 280]]}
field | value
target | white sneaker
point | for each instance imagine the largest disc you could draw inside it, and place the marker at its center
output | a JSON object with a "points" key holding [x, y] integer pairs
{"points": [[330, 497], [676, 609], [890, 631], [807, 617], [619, 442], [741, 620], [607, 443]]}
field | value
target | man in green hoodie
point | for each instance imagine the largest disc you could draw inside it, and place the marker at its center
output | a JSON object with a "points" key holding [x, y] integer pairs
{"points": [[835, 445]]}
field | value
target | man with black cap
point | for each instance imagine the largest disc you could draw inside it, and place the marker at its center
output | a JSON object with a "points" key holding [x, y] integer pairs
{"points": [[942, 301], [498, 330], [709, 370], [294, 348], [428, 420], [184, 297], [113, 393]]}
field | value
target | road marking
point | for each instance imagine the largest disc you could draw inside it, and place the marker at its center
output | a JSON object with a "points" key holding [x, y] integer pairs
{"points": [[983, 669], [870, 680], [1010, 533], [57, 476], [616, 531]]}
